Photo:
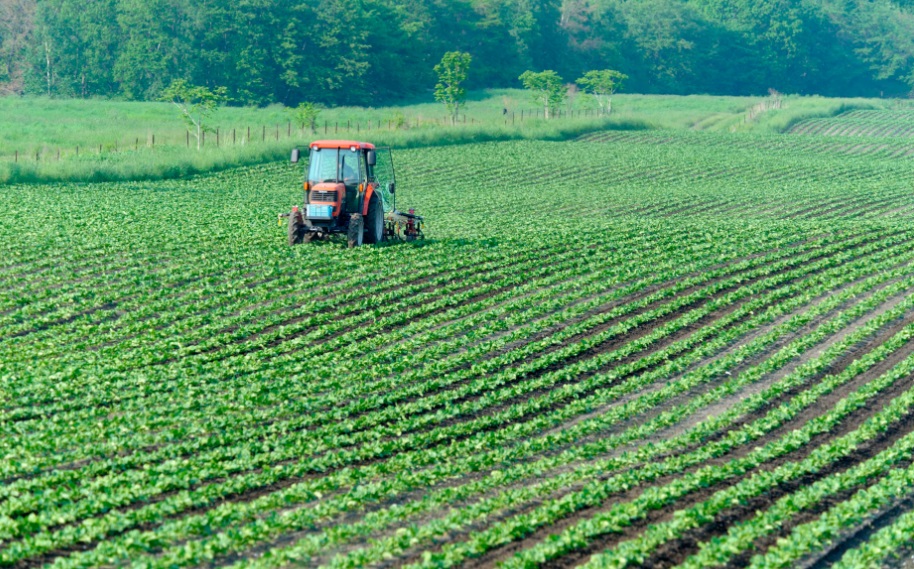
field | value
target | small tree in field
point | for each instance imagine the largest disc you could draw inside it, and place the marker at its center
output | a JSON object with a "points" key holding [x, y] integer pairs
{"points": [[195, 103], [602, 85], [452, 72], [305, 114], [548, 89]]}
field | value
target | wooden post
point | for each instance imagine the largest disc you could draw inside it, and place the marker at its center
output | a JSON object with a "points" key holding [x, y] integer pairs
{"points": [[154, 139], [16, 158], [187, 136], [58, 154], [290, 129], [217, 137], [249, 134], [277, 132], [233, 136]]}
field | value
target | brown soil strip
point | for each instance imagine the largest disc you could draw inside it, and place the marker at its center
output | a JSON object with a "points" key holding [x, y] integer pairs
{"points": [[503, 515], [864, 452], [676, 551], [859, 418], [859, 535]]}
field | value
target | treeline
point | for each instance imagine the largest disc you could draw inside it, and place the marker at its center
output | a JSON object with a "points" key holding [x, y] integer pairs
{"points": [[369, 52]]}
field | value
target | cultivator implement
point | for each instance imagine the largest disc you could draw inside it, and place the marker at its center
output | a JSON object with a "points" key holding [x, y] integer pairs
{"points": [[406, 226]]}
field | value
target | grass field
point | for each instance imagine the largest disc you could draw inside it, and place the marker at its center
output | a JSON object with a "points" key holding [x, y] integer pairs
{"points": [[652, 348], [46, 140]]}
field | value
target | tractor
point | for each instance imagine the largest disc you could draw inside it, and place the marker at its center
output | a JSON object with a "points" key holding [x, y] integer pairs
{"points": [[350, 188]]}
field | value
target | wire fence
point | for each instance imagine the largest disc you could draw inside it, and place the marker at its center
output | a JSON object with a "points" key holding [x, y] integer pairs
{"points": [[222, 137]]}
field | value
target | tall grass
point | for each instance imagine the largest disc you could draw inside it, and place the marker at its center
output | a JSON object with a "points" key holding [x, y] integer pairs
{"points": [[799, 109], [167, 162], [115, 137]]}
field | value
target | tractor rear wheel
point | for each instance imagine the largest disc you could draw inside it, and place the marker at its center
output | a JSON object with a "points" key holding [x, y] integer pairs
{"points": [[356, 230], [296, 227], [374, 223]]}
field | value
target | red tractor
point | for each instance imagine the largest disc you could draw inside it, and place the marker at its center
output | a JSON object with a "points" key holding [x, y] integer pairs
{"points": [[350, 188]]}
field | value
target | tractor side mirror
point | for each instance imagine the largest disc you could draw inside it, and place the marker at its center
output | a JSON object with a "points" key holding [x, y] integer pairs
{"points": [[296, 154], [372, 158], [392, 188]]}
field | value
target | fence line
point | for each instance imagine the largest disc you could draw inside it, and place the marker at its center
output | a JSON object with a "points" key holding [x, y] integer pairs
{"points": [[224, 137]]}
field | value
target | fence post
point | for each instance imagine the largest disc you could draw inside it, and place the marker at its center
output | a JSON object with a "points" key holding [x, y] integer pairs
{"points": [[187, 136], [277, 132], [233, 136], [58, 154], [16, 159], [290, 129], [264, 135], [249, 134], [217, 137], [154, 139]]}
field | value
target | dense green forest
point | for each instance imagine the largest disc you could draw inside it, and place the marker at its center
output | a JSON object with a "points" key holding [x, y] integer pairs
{"points": [[370, 52]]}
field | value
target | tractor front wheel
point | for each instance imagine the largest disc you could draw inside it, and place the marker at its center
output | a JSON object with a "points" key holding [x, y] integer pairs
{"points": [[356, 230], [374, 223]]}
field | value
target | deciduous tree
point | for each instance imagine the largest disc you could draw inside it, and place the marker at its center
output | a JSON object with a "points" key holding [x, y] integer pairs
{"points": [[548, 89], [305, 114], [195, 103], [452, 72], [16, 24], [602, 84]]}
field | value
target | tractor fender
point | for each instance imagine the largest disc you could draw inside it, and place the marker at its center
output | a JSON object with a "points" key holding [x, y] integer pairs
{"points": [[367, 198]]}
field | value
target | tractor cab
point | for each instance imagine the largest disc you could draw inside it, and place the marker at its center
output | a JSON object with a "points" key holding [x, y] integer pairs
{"points": [[345, 175], [350, 188]]}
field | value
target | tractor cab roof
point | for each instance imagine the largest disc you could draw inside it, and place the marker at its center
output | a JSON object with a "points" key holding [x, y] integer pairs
{"points": [[341, 144]]}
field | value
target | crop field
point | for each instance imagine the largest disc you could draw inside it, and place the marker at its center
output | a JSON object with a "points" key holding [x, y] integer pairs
{"points": [[652, 349]]}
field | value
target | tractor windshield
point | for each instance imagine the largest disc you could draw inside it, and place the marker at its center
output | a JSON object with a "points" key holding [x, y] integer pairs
{"points": [[333, 165]]}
